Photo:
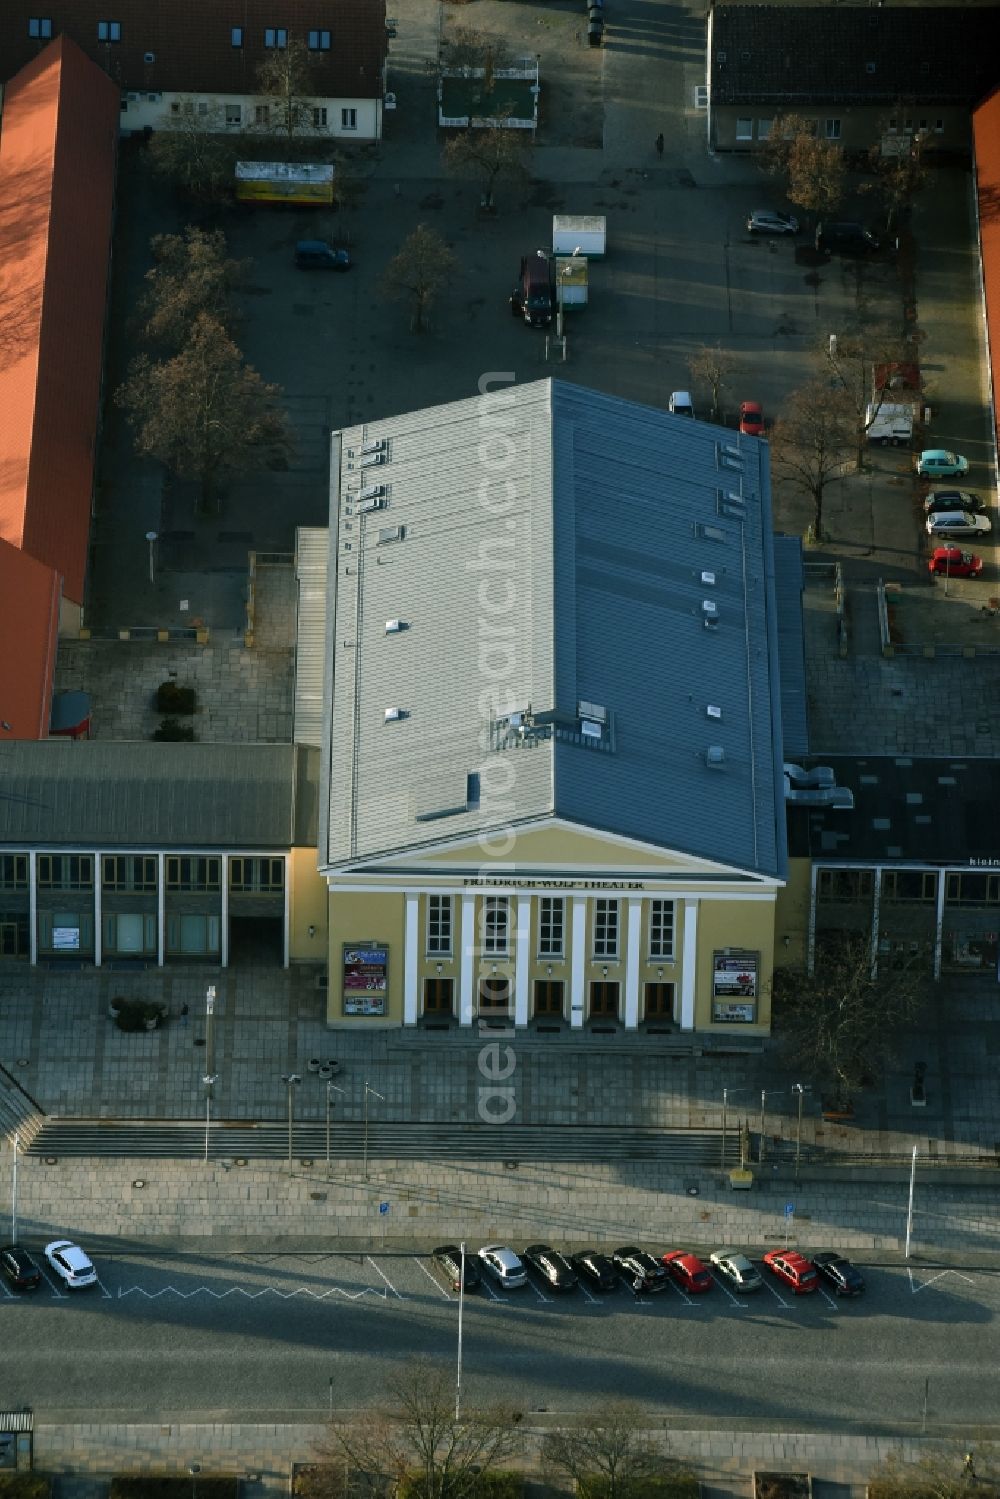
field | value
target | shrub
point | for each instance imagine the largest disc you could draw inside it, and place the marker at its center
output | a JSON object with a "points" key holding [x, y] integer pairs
{"points": [[167, 1486], [172, 698], [24, 1486], [173, 731]]}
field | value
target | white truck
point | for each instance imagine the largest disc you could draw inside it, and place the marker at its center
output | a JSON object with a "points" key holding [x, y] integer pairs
{"points": [[890, 424], [579, 234]]}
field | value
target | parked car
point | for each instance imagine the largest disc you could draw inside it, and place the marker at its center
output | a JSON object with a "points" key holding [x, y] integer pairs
{"points": [[751, 418], [845, 238], [70, 1264], [769, 221], [533, 297], [554, 1268], [448, 1259], [688, 1271], [681, 403], [794, 1269], [739, 1273], [845, 1278], [19, 1269], [317, 255], [939, 463], [953, 499], [635, 1264], [957, 523], [504, 1264], [595, 1268], [952, 562]]}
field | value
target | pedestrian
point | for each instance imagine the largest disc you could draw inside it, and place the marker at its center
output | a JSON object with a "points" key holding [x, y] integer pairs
{"points": [[184, 1014], [637, 1287], [968, 1467], [659, 144]]}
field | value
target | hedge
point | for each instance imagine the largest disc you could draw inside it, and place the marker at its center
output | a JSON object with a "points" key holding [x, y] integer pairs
{"points": [[492, 1483], [24, 1486], [680, 1484], [173, 1486]]}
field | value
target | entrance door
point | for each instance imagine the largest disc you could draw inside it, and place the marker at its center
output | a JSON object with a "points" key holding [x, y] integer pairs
{"points": [[659, 1002], [604, 1001], [548, 997], [494, 999], [438, 996]]}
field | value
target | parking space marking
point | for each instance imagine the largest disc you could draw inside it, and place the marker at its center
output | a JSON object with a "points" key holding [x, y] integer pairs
{"points": [[594, 1300], [733, 1298], [827, 1297], [104, 1290], [388, 1282], [8, 1294], [436, 1283], [60, 1295], [923, 1284], [490, 1290], [539, 1292], [777, 1295], [681, 1292]]}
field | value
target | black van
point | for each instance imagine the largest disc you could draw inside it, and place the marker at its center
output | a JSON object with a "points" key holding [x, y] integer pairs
{"points": [[845, 239], [317, 255], [533, 298]]}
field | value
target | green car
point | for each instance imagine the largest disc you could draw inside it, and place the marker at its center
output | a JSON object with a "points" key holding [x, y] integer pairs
{"points": [[938, 463]]}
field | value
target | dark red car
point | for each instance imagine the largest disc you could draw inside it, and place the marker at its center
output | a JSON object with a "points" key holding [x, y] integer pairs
{"points": [[952, 562], [751, 419], [688, 1271], [793, 1268]]}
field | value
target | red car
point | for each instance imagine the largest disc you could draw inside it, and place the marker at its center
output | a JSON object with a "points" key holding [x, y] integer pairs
{"points": [[688, 1271], [952, 562], [751, 419], [790, 1266]]}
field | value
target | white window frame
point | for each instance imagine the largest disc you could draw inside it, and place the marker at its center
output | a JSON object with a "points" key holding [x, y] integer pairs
{"points": [[551, 926], [348, 119], [440, 925], [662, 919], [496, 926], [234, 114], [607, 923], [262, 114], [764, 128], [744, 128], [319, 116], [832, 130]]}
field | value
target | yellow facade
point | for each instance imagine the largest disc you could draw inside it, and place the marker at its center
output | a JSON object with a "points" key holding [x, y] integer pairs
{"points": [[792, 916], [308, 901]]}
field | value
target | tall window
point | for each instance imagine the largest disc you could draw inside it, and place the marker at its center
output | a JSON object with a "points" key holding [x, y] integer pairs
{"points": [[661, 929], [236, 36], [744, 130], [319, 116], [319, 41], [833, 130], [495, 924], [262, 114], [439, 924], [605, 928], [234, 114], [348, 119], [550, 926]]}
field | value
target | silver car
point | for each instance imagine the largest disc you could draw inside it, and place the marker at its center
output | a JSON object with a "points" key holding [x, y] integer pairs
{"points": [[739, 1273], [957, 523], [769, 221], [504, 1264]]}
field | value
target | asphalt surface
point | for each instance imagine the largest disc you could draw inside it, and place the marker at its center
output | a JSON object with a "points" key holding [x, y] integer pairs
{"points": [[290, 1337]]}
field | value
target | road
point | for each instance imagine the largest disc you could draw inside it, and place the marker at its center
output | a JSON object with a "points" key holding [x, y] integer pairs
{"points": [[261, 1337]]}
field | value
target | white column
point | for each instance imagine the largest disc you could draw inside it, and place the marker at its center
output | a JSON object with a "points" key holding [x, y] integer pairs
{"points": [[98, 932], [632, 953], [33, 907], [579, 940], [286, 916], [688, 964], [522, 959], [224, 916], [468, 938], [411, 959], [161, 908]]}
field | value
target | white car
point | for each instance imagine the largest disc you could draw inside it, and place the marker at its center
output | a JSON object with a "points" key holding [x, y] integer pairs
{"points": [[768, 221], [681, 403], [70, 1264], [738, 1272], [957, 523], [504, 1264]]}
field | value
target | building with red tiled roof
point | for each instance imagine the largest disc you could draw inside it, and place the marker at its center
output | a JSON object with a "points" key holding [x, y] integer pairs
{"points": [[30, 594], [197, 53], [986, 144], [58, 143]]}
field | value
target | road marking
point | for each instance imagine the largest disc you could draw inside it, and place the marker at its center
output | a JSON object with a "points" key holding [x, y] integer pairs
{"points": [[723, 1287], [61, 1295], [922, 1285], [436, 1283], [539, 1293], [594, 1300], [831, 1299], [489, 1289], [7, 1293], [124, 1291], [104, 1292], [388, 1282], [777, 1295], [681, 1292]]}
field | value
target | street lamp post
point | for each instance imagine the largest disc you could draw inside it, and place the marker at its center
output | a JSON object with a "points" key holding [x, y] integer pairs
{"points": [[330, 1088], [13, 1193], [763, 1099], [368, 1089], [909, 1206], [151, 537], [291, 1081], [209, 1021], [210, 1079], [461, 1308], [801, 1091]]}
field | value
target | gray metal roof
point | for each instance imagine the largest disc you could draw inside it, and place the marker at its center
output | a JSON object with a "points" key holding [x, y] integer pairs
{"points": [[311, 547], [104, 794], [550, 565], [789, 581]]}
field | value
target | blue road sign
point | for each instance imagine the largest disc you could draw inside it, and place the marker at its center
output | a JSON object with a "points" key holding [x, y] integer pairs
{"points": [[383, 1208], [789, 1210]]}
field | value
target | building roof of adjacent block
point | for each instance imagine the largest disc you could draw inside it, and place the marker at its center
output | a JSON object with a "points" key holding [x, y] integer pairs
{"points": [[561, 604]]}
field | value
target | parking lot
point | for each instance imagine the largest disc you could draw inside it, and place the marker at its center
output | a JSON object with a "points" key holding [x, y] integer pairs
{"points": [[299, 1331]]}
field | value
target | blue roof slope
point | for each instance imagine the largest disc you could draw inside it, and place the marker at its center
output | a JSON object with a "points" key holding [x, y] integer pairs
{"points": [[646, 504]]}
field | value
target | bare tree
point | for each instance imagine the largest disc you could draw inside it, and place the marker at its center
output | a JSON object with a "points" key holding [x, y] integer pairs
{"points": [[608, 1455], [285, 82], [489, 153], [468, 48], [205, 413], [415, 1445], [950, 1473], [711, 366], [812, 167], [192, 275], [194, 152], [812, 443], [900, 173], [417, 271], [840, 1023], [863, 365]]}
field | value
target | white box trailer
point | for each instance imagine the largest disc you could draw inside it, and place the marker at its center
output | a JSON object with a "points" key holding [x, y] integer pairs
{"points": [[890, 424], [571, 280], [579, 234]]}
